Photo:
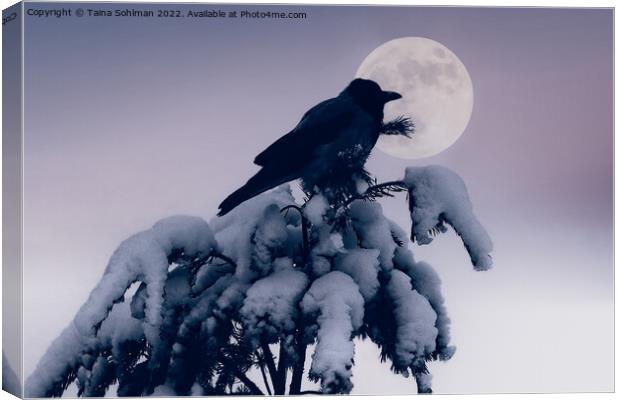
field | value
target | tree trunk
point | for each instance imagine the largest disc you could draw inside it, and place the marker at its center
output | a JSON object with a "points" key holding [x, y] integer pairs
{"points": [[298, 368], [280, 382]]}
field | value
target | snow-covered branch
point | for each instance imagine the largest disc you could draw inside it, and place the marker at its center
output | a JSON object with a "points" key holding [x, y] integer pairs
{"points": [[210, 301], [142, 257], [339, 308], [438, 195]]}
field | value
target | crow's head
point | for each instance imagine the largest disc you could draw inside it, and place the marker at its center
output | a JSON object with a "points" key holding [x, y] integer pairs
{"points": [[368, 94]]}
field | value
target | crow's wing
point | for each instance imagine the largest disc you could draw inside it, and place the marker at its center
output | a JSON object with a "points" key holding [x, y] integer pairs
{"points": [[320, 125]]}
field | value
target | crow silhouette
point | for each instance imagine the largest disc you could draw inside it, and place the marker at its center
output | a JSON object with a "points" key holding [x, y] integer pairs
{"points": [[332, 141]]}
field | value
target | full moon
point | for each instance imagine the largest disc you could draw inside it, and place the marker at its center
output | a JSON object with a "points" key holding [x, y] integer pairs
{"points": [[437, 94]]}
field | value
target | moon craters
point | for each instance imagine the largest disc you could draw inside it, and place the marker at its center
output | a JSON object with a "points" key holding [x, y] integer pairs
{"points": [[436, 88]]}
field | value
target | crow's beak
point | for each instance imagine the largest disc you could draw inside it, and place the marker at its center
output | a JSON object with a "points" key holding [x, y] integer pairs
{"points": [[389, 96]]}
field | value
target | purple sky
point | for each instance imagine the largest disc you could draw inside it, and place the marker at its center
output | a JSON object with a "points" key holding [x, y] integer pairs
{"points": [[130, 121]]}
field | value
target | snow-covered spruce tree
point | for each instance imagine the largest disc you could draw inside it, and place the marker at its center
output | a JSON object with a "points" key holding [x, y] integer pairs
{"points": [[195, 308]]}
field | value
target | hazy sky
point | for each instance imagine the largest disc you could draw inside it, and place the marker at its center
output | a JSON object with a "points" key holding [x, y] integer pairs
{"points": [[128, 121]]}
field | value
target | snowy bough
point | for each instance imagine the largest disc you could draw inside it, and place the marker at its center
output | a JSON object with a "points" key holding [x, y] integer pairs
{"points": [[234, 306]]}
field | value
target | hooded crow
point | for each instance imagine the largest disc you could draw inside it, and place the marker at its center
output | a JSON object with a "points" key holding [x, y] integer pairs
{"points": [[334, 138]]}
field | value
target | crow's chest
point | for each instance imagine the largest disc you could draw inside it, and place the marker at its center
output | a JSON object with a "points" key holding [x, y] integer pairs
{"points": [[353, 145], [337, 163]]}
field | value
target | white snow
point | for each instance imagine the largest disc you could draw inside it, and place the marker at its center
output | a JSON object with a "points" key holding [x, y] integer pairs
{"points": [[373, 230], [328, 245], [320, 265], [270, 235], [143, 257], [235, 230], [197, 390], [231, 298], [340, 308], [363, 266], [424, 382], [415, 319], [315, 209], [119, 327], [268, 290], [191, 234], [438, 194], [425, 280], [282, 264], [203, 309], [164, 391], [270, 305], [208, 274]]}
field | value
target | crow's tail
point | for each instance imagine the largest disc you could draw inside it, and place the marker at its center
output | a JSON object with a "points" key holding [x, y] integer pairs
{"points": [[265, 179]]}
